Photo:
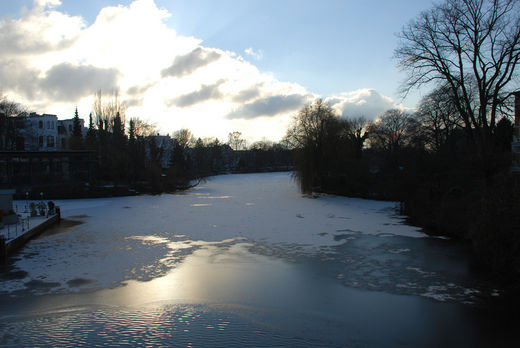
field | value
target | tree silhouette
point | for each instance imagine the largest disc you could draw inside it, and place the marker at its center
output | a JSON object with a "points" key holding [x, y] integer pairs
{"points": [[235, 141], [472, 47]]}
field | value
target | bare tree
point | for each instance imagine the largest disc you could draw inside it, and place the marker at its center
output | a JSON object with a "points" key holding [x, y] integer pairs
{"points": [[235, 141], [309, 125], [139, 128], [473, 48], [358, 133], [310, 136], [393, 130], [107, 110], [439, 117], [184, 138]]}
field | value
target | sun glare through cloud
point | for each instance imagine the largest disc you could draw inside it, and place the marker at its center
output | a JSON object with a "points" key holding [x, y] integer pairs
{"points": [[52, 62]]}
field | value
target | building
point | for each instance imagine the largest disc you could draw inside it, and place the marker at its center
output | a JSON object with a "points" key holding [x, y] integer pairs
{"points": [[65, 131], [24, 170], [44, 132]]}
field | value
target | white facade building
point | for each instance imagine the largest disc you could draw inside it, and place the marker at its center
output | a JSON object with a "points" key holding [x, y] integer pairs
{"points": [[46, 133]]}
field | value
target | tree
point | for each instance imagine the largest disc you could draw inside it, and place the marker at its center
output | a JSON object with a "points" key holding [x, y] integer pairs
{"points": [[139, 128], [393, 130], [8, 127], [106, 110], [235, 141], [439, 117], [76, 139], [184, 138], [309, 124], [358, 133], [76, 128], [473, 48], [309, 135], [91, 133]]}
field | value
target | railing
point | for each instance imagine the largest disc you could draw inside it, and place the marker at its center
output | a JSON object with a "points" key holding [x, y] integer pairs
{"points": [[23, 224]]}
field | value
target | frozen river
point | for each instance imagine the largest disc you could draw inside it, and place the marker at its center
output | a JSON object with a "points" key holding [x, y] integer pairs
{"points": [[244, 260]]}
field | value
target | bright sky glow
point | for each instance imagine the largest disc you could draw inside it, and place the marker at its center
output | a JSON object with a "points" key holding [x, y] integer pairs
{"points": [[211, 66]]}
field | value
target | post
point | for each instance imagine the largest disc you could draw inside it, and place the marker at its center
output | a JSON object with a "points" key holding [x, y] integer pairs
{"points": [[3, 250]]}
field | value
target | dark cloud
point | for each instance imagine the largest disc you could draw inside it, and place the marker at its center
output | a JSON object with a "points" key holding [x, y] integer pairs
{"points": [[206, 92], [138, 90], [134, 102], [187, 64], [66, 82], [269, 106], [247, 94]]}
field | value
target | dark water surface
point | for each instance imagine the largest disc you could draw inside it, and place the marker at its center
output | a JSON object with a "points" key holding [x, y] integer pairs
{"points": [[229, 296], [95, 281]]}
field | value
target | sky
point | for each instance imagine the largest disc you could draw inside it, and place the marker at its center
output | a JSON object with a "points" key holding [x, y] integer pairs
{"points": [[211, 66]]}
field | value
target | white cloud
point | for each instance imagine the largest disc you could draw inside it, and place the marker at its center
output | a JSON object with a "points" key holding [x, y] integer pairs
{"points": [[51, 62], [363, 102], [40, 4], [257, 54]]}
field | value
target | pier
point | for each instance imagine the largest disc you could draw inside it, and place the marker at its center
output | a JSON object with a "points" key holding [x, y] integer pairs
{"points": [[15, 236]]}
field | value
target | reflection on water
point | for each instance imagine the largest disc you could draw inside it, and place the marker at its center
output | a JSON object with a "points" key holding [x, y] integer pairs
{"points": [[225, 295]]}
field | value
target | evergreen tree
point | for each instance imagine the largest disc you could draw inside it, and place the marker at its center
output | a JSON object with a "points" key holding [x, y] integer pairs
{"points": [[76, 128], [76, 141], [91, 134]]}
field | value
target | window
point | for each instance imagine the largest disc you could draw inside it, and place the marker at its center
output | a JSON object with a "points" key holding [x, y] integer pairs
{"points": [[50, 141], [70, 128], [63, 143], [48, 124], [40, 124], [40, 140]]}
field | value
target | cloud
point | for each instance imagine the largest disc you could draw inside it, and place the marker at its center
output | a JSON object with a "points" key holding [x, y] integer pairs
{"points": [[187, 64], [205, 93], [46, 3], [131, 102], [51, 61], [363, 102], [247, 94], [66, 82], [258, 54], [268, 106], [19, 78], [138, 90], [38, 32]]}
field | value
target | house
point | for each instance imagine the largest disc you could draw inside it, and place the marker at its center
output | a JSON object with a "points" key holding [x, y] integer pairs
{"points": [[44, 132], [65, 131]]}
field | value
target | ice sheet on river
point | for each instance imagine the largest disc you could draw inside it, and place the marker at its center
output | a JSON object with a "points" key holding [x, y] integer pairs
{"points": [[143, 237]]}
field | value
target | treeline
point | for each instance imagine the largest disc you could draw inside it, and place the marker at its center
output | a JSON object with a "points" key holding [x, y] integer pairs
{"points": [[131, 157], [450, 161], [426, 161]]}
